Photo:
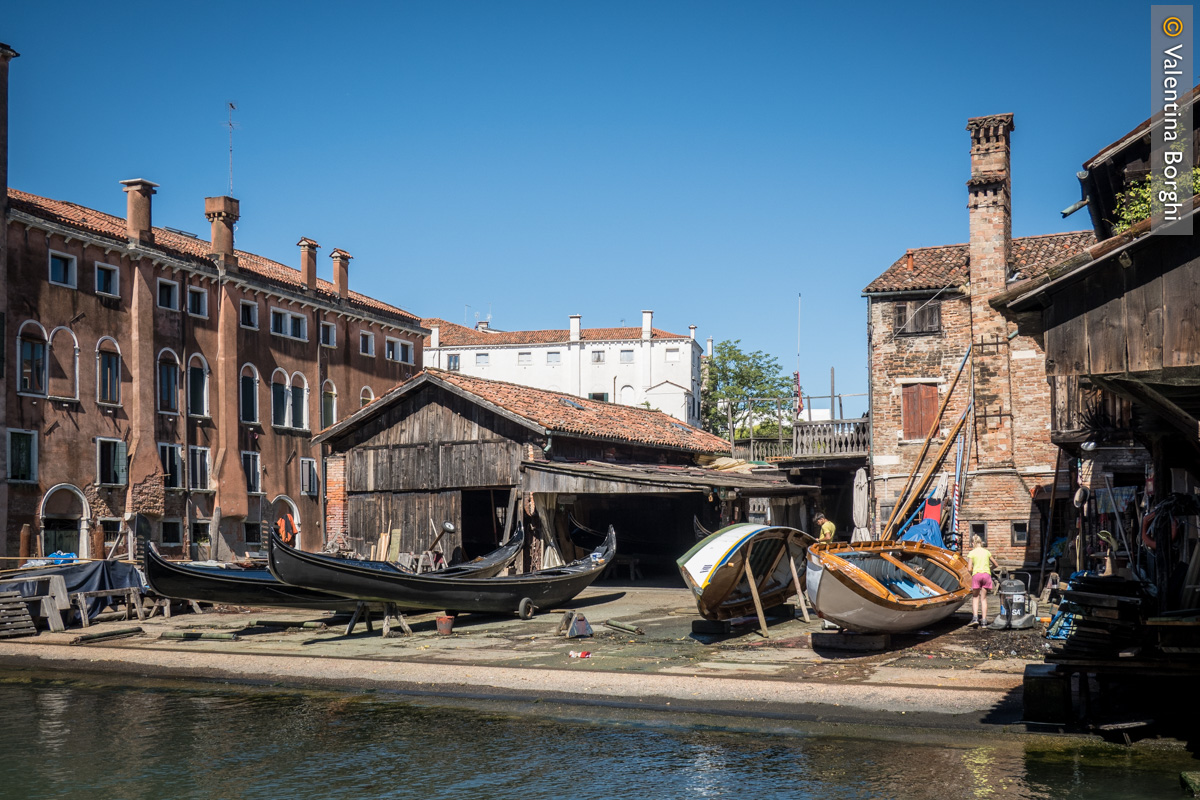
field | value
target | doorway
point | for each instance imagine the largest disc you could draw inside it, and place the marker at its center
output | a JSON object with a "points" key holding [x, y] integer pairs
{"points": [[483, 513]]}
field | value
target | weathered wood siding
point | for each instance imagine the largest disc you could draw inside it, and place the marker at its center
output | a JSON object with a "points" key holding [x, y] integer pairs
{"points": [[409, 513], [1140, 318], [447, 465]]}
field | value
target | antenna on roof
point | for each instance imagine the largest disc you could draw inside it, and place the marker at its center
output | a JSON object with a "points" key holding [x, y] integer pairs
{"points": [[231, 107]]}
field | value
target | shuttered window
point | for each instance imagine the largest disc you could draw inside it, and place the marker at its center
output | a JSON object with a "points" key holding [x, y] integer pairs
{"points": [[917, 316], [919, 409]]}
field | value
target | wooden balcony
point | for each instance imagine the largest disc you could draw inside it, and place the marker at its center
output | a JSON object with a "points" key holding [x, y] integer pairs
{"points": [[1074, 403], [826, 440]]}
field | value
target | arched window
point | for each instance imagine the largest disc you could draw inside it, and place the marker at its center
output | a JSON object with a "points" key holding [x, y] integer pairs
{"points": [[63, 364], [197, 386], [31, 358], [168, 381], [248, 397], [279, 399], [627, 395], [328, 404], [108, 371], [366, 396], [299, 405]]}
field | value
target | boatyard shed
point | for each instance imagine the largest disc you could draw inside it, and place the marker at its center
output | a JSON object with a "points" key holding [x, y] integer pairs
{"points": [[445, 447]]}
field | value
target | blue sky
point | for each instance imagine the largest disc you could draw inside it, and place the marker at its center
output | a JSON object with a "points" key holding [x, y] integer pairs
{"points": [[707, 160]]}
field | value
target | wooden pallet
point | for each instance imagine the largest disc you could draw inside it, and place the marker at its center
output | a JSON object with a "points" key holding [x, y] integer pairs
{"points": [[14, 616]]}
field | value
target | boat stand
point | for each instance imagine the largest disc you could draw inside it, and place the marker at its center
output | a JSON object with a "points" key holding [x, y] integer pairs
{"points": [[390, 611], [361, 611]]}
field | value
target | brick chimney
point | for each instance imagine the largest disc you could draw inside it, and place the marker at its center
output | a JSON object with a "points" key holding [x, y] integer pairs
{"points": [[341, 272], [575, 320], [989, 209], [222, 212], [6, 54], [308, 263], [138, 227], [989, 205], [647, 322]]}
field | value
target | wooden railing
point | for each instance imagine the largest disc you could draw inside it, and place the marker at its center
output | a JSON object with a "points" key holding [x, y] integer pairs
{"points": [[1072, 401], [828, 439]]}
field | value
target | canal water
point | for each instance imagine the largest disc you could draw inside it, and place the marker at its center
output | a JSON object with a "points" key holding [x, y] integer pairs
{"points": [[79, 739]]}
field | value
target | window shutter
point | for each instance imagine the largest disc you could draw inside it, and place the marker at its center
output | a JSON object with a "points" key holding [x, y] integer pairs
{"points": [[929, 403], [901, 316], [120, 463], [910, 411]]}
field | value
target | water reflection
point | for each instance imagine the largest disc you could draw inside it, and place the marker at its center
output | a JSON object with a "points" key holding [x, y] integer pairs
{"points": [[82, 741]]}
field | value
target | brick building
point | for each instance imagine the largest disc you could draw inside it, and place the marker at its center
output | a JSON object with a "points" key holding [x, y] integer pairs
{"points": [[926, 310], [148, 370]]}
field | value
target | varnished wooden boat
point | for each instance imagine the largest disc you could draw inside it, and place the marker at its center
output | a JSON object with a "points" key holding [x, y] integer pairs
{"points": [[233, 585], [441, 590], [715, 568], [885, 587]]}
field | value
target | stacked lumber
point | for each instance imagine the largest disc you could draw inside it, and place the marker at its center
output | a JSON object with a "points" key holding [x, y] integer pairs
{"points": [[1109, 616], [14, 616]]}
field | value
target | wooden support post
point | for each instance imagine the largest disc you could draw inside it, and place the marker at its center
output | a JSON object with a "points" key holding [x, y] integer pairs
{"points": [[801, 601], [762, 618]]}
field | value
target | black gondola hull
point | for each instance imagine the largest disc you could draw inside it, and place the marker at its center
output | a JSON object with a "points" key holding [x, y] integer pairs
{"points": [[234, 587], [436, 591]]}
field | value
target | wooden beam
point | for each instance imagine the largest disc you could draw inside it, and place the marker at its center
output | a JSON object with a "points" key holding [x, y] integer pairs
{"points": [[887, 529], [762, 618], [928, 584], [921, 485], [799, 589]]}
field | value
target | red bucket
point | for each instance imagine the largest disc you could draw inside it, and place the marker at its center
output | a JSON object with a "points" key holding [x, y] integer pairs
{"points": [[445, 625]]}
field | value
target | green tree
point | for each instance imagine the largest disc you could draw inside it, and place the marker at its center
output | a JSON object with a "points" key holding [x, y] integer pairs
{"points": [[734, 377]]}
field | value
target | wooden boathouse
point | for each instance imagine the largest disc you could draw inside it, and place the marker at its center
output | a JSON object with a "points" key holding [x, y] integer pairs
{"points": [[445, 447]]}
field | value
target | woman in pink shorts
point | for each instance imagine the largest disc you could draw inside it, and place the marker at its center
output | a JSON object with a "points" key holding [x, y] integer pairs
{"points": [[981, 562]]}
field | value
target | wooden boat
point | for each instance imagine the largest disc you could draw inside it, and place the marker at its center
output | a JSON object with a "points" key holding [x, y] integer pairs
{"points": [[547, 588], [230, 584], [698, 529], [887, 586], [744, 565]]}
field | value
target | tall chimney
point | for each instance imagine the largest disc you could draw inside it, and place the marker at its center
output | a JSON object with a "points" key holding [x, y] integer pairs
{"points": [[137, 210], [989, 205], [435, 336], [341, 272], [692, 332], [6, 54], [647, 320], [575, 318], [708, 350], [308, 263], [222, 212]]}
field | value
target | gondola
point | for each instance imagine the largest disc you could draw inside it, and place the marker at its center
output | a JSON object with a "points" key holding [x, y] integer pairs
{"points": [[230, 584], [547, 588], [699, 530], [885, 587], [715, 569]]}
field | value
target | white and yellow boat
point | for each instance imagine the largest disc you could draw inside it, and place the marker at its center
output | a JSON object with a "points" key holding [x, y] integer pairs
{"points": [[727, 569]]}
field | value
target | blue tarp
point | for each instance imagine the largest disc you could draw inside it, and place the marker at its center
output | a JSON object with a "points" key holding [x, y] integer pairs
{"points": [[90, 576], [927, 531]]}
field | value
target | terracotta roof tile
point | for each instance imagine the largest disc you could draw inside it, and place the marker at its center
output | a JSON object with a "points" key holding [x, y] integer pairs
{"points": [[454, 335], [573, 415], [191, 249], [936, 267]]}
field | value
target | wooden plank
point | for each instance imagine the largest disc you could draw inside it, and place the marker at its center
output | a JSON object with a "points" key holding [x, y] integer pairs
{"points": [[906, 569], [1144, 323], [1105, 324], [762, 618], [1181, 323], [1066, 335]]}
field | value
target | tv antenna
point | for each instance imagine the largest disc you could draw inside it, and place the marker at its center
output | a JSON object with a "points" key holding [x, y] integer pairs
{"points": [[230, 108]]}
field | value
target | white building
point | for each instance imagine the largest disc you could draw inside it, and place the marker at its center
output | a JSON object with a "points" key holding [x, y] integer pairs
{"points": [[630, 366]]}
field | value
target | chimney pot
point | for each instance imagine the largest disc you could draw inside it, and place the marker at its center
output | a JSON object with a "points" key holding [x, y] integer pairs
{"points": [[222, 212], [575, 335], [341, 272], [909, 254], [138, 227], [308, 263]]}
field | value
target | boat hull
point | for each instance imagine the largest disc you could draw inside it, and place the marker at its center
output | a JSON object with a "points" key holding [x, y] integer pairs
{"points": [[233, 586], [858, 586], [435, 591], [715, 568]]}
